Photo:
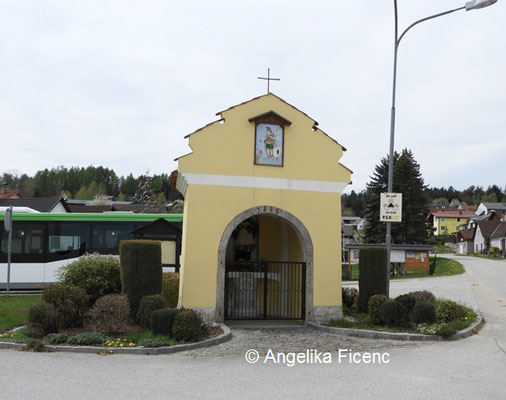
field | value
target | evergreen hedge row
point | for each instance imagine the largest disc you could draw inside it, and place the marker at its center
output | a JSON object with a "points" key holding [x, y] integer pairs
{"points": [[141, 270], [372, 278]]}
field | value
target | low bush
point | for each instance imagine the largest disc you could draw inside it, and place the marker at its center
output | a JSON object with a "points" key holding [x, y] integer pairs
{"points": [[170, 288], [375, 303], [494, 250], [87, 339], [423, 296], [407, 301], [452, 327], [147, 306], [393, 313], [161, 321], [36, 346], [349, 295], [448, 310], [423, 313], [56, 338], [110, 315], [43, 320], [96, 274], [69, 301], [188, 325]]}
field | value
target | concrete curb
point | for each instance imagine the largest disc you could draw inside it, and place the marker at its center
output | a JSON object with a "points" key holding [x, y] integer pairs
{"points": [[473, 329], [226, 335]]}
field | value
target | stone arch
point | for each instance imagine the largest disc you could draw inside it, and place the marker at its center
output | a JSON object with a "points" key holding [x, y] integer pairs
{"points": [[305, 242]]}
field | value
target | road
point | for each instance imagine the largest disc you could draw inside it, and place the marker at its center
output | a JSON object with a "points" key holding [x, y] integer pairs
{"points": [[466, 369]]}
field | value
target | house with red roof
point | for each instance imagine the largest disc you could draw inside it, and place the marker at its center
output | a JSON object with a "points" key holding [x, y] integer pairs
{"points": [[449, 221]]}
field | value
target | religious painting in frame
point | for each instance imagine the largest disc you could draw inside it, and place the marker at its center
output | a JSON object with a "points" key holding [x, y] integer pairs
{"points": [[269, 144]]}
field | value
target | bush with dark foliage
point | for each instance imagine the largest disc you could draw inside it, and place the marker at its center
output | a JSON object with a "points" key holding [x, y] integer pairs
{"points": [[148, 305], [375, 303], [141, 270], [161, 321], [448, 310], [423, 296], [407, 301], [188, 325], [372, 278], [69, 301], [393, 313], [110, 315], [423, 313], [43, 319]]}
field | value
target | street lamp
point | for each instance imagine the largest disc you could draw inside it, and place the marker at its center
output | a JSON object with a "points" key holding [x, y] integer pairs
{"points": [[470, 5]]}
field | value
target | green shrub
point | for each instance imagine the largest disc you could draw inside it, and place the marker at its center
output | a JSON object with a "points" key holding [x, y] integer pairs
{"points": [[56, 338], [110, 315], [349, 295], [423, 296], [141, 270], [170, 288], [374, 305], [372, 277], [494, 250], [70, 302], [148, 305], [452, 327], [447, 310], [393, 313], [161, 321], [97, 274], [87, 339], [188, 325], [407, 301], [423, 313], [36, 346], [43, 319]]}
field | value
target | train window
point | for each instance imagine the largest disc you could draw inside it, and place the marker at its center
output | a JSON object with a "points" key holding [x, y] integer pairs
{"points": [[27, 238], [68, 236]]}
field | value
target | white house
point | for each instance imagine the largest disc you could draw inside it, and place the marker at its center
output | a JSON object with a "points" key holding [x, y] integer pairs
{"points": [[498, 237], [485, 208], [484, 230]]}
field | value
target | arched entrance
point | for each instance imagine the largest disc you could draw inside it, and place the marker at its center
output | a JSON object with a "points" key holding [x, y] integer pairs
{"points": [[265, 267]]}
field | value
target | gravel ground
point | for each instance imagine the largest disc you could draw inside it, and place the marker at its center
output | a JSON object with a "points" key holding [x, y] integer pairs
{"points": [[290, 340]]}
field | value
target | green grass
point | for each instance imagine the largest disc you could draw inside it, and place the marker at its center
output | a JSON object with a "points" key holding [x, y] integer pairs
{"points": [[444, 267], [14, 310], [362, 321], [490, 257]]}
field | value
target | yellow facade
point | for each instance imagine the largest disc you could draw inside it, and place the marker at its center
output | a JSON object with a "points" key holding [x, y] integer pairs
{"points": [[448, 225], [220, 180]]}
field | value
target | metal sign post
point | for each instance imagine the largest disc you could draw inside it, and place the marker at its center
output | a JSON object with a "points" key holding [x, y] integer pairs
{"points": [[8, 228]]}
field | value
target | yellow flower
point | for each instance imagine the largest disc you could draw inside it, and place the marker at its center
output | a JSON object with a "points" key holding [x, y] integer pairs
{"points": [[110, 352], [121, 345], [131, 344], [124, 340]]}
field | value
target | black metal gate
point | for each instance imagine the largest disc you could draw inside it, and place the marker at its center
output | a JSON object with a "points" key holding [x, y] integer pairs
{"points": [[265, 290]]}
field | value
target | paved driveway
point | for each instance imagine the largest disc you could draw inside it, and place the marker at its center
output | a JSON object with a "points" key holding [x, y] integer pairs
{"points": [[468, 369]]}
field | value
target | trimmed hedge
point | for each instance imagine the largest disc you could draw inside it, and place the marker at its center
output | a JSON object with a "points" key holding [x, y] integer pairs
{"points": [[141, 270], [148, 305], [393, 313], [110, 315], [188, 325], [375, 302], [161, 321], [423, 313], [43, 319], [372, 278], [170, 288], [407, 301]]}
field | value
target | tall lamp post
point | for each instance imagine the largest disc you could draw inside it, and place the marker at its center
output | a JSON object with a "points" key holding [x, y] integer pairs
{"points": [[470, 5]]}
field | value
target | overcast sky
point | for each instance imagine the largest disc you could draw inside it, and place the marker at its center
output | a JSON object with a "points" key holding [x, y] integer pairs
{"points": [[120, 83]]}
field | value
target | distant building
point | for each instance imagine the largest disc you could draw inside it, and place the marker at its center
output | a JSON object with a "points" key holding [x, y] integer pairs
{"points": [[40, 204], [483, 233], [465, 241], [485, 208], [6, 193], [447, 221]]}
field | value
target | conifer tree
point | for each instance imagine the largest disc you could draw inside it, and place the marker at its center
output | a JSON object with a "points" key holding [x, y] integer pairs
{"points": [[408, 180]]}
